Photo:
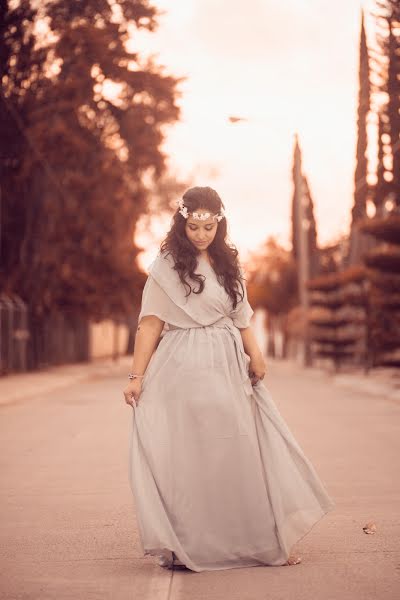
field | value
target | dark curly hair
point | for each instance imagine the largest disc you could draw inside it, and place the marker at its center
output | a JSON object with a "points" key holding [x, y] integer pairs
{"points": [[224, 256]]}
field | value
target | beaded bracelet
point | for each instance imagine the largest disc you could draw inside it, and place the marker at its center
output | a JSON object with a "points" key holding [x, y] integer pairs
{"points": [[133, 376]]}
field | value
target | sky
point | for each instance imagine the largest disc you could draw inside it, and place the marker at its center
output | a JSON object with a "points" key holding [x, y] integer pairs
{"points": [[287, 67]]}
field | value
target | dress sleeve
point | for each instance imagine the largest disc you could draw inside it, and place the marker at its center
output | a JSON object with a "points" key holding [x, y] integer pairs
{"points": [[155, 301], [243, 312]]}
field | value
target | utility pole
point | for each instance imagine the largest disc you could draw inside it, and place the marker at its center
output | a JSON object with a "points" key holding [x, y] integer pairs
{"points": [[303, 254]]}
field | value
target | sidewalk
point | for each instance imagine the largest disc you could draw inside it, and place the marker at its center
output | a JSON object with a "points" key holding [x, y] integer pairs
{"points": [[17, 387], [379, 382]]}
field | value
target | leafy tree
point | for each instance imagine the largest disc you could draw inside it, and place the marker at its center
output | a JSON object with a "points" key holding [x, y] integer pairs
{"points": [[21, 72], [338, 322], [383, 260], [273, 287], [88, 154]]}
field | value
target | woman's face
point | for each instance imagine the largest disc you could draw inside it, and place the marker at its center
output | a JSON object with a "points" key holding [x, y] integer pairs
{"points": [[201, 233]]}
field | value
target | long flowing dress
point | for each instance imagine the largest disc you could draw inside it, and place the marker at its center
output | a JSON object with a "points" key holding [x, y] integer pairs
{"points": [[217, 476]]}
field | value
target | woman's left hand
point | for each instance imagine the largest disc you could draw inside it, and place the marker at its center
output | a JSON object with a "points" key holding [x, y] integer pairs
{"points": [[257, 368]]}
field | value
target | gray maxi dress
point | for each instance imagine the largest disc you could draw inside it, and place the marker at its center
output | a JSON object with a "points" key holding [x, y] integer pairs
{"points": [[217, 476]]}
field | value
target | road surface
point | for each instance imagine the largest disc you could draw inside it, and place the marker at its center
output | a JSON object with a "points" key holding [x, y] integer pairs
{"points": [[68, 522]]}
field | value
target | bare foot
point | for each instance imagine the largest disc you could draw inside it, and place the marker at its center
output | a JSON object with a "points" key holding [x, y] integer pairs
{"points": [[176, 561], [166, 560], [293, 560]]}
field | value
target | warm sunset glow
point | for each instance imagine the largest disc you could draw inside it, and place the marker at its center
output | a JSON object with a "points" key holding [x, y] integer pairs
{"points": [[283, 68]]}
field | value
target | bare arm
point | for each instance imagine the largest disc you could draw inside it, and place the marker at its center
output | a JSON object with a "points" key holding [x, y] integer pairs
{"points": [[147, 336], [250, 343], [257, 366]]}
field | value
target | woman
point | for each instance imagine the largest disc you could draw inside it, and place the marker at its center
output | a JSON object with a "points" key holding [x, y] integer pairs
{"points": [[218, 479]]}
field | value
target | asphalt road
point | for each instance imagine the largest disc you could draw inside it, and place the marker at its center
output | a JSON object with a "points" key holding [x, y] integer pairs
{"points": [[68, 525]]}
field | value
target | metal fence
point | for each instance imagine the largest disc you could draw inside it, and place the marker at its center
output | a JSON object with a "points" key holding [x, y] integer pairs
{"points": [[28, 342], [57, 339], [14, 334]]}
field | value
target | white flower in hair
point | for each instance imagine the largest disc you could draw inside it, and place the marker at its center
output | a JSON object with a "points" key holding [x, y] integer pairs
{"points": [[201, 217], [221, 214], [183, 208]]}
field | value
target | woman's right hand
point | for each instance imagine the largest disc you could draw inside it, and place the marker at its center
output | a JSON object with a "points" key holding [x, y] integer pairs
{"points": [[132, 391], [257, 368]]}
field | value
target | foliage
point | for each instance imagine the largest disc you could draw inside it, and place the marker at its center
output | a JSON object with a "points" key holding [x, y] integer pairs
{"points": [[383, 228], [273, 279], [338, 316], [305, 194], [76, 176], [360, 174], [386, 66], [384, 258], [333, 281]]}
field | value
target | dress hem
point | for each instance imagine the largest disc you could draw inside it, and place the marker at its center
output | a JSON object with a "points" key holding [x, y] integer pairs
{"points": [[221, 565]]}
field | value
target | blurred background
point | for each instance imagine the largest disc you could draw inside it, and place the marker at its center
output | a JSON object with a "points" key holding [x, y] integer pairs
{"points": [[109, 110]]}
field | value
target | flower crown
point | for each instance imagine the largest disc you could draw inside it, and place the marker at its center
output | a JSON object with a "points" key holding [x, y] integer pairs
{"points": [[201, 217]]}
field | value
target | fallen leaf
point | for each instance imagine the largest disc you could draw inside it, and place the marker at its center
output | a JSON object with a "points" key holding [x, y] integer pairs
{"points": [[369, 528]]}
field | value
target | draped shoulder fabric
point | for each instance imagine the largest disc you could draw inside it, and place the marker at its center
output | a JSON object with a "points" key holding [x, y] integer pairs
{"points": [[165, 297], [216, 474]]}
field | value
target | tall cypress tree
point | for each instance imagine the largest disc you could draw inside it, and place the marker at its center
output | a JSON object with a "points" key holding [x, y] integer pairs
{"points": [[308, 214], [384, 259], [361, 170], [387, 69], [294, 215], [312, 229], [382, 187], [357, 241]]}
